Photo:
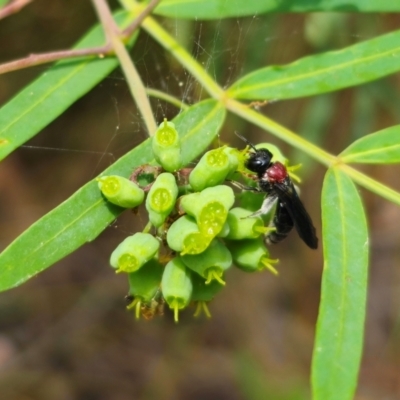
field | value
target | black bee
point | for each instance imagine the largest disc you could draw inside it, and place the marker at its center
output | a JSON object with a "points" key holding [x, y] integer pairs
{"points": [[274, 180]]}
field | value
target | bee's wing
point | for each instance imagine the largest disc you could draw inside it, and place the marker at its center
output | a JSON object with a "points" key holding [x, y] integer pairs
{"points": [[267, 205], [302, 221]]}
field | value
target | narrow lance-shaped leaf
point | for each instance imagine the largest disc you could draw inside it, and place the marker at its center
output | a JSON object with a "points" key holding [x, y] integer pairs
{"points": [[216, 9], [353, 65], [382, 147], [54, 91], [340, 326], [86, 213]]}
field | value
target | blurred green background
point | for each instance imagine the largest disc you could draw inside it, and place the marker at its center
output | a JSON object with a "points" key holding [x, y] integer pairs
{"points": [[66, 334]]}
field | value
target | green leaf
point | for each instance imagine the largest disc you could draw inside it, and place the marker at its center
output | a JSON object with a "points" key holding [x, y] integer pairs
{"points": [[86, 214], [216, 9], [340, 326], [323, 73], [382, 147], [54, 91]]}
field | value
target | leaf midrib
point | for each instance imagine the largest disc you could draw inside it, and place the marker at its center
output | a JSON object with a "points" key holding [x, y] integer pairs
{"points": [[370, 151], [310, 74], [44, 96]]}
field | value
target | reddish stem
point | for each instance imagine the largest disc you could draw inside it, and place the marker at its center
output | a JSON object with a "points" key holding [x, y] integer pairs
{"points": [[44, 58], [13, 7]]}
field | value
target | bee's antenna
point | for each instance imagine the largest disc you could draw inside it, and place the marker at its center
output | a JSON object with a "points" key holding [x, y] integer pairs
{"points": [[245, 140]]}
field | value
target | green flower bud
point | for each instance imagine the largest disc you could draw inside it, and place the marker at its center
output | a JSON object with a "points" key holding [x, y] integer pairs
{"points": [[176, 285], [211, 170], [144, 285], [241, 226], [161, 198], [221, 193], [193, 203], [121, 191], [251, 255], [210, 208], [134, 252], [212, 263], [212, 218], [166, 146], [224, 231], [250, 200], [184, 236], [145, 282], [203, 293], [234, 156]]}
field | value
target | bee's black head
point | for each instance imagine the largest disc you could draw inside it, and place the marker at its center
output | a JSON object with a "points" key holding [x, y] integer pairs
{"points": [[259, 161]]}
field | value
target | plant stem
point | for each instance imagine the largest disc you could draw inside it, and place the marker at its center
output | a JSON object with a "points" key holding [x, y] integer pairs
{"points": [[101, 51], [44, 58], [138, 21], [135, 84], [280, 131], [243, 110], [371, 184], [13, 7], [233, 105], [168, 98]]}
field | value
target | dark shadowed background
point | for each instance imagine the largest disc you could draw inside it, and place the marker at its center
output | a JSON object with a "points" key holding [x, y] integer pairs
{"points": [[66, 334]]}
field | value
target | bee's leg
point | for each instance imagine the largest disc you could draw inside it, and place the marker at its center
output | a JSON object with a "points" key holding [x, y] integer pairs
{"points": [[245, 187]]}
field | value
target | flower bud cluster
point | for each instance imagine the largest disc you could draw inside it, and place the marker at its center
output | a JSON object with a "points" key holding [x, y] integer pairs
{"points": [[198, 228]]}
